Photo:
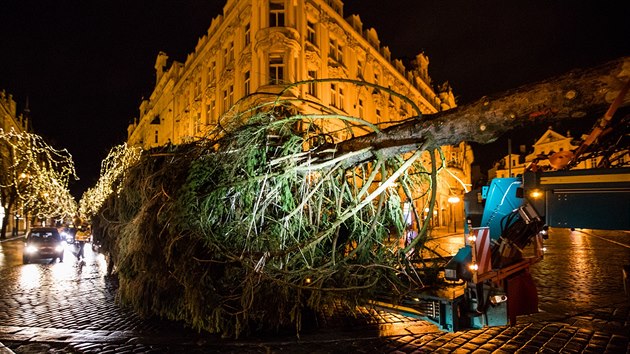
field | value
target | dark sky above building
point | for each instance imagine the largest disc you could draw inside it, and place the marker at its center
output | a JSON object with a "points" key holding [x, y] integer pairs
{"points": [[86, 65]]}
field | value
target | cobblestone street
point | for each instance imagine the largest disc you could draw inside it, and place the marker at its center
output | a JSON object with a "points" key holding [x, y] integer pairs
{"points": [[70, 307]]}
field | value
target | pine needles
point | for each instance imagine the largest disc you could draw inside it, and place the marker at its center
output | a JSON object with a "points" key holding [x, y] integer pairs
{"points": [[248, 230]]}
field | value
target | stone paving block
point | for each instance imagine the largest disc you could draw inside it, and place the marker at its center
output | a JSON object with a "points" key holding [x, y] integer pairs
{"points": [[555, 344], [489, 347], [573, 347], [470, 347], [527, 349], [592, 350], [481, 339]]}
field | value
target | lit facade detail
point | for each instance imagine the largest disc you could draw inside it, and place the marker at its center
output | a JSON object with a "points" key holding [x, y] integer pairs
{"points": [[549, 143], [263, 45], [19, 123]]}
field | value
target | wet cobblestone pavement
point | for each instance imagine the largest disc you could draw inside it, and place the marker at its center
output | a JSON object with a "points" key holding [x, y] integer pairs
{"points": [[70, 307]]}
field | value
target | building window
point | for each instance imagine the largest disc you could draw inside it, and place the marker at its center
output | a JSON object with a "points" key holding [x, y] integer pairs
{"points": [[247, 35], [198, 123], [336, 96], [276, 70], [312, 86], [198, 87], [310, 33], [276, 13], [228, 98], [378, 115], [211, 112], [246, 83], [211, 71], [335, 50], [156, 137], [360, 108], [340, 96], [228, 53]]}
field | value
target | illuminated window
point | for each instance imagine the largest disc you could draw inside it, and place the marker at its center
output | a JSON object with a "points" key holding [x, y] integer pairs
{"points": [[247, 34], [310, 33], [312, 86], [246, 83], [276, 13], [276, 70]]}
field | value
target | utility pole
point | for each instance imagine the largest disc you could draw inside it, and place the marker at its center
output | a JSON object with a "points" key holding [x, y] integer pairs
{"points": [[509, 157]]}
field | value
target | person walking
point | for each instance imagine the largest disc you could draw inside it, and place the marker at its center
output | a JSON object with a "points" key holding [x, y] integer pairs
{"points": [[82, 236]]}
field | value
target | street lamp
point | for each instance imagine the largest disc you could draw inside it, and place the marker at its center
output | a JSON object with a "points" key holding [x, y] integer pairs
{"points": [[453, 200]]}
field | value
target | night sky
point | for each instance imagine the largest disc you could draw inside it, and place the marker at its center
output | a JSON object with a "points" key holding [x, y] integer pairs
{"points": [[86, 65]]}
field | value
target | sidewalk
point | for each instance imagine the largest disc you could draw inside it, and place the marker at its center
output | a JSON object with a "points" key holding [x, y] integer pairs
{"points": [[9, 236]]}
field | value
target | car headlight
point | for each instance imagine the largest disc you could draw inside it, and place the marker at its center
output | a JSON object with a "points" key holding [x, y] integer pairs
{"points": [[59, 248], [31, 249]]}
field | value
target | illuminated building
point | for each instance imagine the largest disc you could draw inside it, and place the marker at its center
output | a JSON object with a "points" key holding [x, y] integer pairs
{"points": [[549, 143], [10, 120], [259, 46]]}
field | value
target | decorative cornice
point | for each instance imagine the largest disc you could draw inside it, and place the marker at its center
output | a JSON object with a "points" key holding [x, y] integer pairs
{"points": [[210, 92], [245, 15], [245, 58], [337, 31], [312, 57], [277, 38], [227, 75], [336, 70], [313, 11], [227, 34]]}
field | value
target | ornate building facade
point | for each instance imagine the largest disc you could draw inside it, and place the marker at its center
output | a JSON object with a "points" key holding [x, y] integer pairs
{"points": [[11, 120], [548, 144], [259, 46]]}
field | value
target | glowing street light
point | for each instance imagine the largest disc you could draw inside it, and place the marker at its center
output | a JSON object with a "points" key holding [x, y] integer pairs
{"points": [[453, 200]]}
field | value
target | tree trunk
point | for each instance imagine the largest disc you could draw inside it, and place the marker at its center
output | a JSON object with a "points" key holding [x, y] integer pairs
{"points": [[3, 229], [5, 219], [577, 94]]}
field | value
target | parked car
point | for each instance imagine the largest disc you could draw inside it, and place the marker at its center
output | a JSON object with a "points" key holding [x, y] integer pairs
{"points": [[42, 243]]}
